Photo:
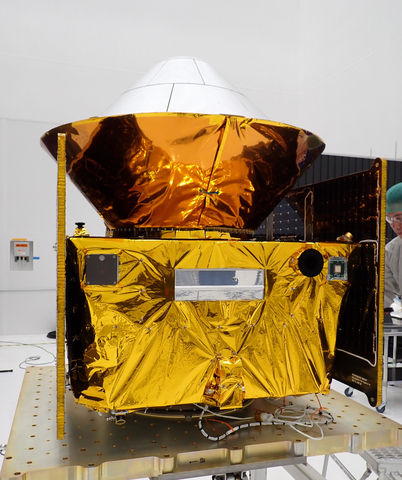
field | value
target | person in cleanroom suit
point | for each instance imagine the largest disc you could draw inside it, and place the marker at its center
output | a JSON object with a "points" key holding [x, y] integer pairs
{"points": [[393, 249]]}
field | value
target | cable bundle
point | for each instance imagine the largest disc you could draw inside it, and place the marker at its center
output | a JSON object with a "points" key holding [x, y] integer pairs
{"points": [[293, 416]]}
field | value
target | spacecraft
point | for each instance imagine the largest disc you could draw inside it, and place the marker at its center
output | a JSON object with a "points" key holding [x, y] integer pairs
{"points": [[181, 302]]}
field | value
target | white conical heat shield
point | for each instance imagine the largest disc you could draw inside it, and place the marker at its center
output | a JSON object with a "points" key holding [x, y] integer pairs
{"points": [[184, 85]]}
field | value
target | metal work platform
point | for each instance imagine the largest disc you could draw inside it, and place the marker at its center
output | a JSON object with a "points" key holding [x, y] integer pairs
{"points": [[385, 461], [172, 448]]}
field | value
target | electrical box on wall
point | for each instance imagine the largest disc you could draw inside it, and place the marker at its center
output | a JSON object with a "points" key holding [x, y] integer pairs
{"points": [[21, 255]]}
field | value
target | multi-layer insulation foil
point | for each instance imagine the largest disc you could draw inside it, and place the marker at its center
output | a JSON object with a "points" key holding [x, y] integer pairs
{"points": [[184, 170], [153, 323]]}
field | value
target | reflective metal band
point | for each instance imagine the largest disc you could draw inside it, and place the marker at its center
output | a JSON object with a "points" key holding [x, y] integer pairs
{"points": [[219, 284]]}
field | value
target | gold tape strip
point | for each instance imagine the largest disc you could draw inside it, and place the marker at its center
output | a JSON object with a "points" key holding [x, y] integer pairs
{"points": [[381, 276], [219, 153], [61, 281]]}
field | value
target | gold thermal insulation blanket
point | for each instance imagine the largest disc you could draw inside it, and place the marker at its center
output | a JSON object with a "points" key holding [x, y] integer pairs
{"points": [[184, 170], [139, 343]]}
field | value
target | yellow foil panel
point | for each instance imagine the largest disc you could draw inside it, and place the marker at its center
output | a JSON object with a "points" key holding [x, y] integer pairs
{"points": [[184, 170], [132, 346]]}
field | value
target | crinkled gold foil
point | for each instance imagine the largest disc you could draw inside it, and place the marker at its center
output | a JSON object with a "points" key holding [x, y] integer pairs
{"points": [[184, 170], [81, 232], [143, 349]]}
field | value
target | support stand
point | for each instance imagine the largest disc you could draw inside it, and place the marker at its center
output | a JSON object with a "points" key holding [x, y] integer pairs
{"points": [[173, 448]]}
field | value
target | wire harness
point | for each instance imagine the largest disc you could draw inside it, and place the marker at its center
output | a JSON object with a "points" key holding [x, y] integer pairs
{"points": [[294, 416]]}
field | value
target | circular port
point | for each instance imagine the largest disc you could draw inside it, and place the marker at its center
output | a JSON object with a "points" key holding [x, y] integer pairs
{"points": [[310, 262]]}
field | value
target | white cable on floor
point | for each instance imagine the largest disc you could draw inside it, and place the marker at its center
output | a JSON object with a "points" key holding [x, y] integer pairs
{"points": [[29, 360]]}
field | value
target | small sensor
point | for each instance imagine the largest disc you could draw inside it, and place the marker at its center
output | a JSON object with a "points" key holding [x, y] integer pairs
{"points": [[337, 269], [102, 269]]}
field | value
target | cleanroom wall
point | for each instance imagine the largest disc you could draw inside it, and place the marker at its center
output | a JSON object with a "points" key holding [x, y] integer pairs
{"points": [[28, 211], [351, 75], [27, 298]]}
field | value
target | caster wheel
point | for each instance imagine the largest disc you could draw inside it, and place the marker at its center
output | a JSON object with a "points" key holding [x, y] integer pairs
{"points": [[381, 408], [348, 392]]}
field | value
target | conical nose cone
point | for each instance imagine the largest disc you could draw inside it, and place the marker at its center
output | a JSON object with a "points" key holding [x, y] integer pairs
{"points": [[184, 85], [184, 149]]}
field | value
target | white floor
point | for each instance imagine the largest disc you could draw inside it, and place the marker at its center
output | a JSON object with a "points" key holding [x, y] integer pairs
{"points": [[19, 350]]}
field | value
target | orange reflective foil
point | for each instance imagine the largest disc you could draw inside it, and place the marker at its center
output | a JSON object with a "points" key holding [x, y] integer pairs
{"points": [[184, 170]]}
